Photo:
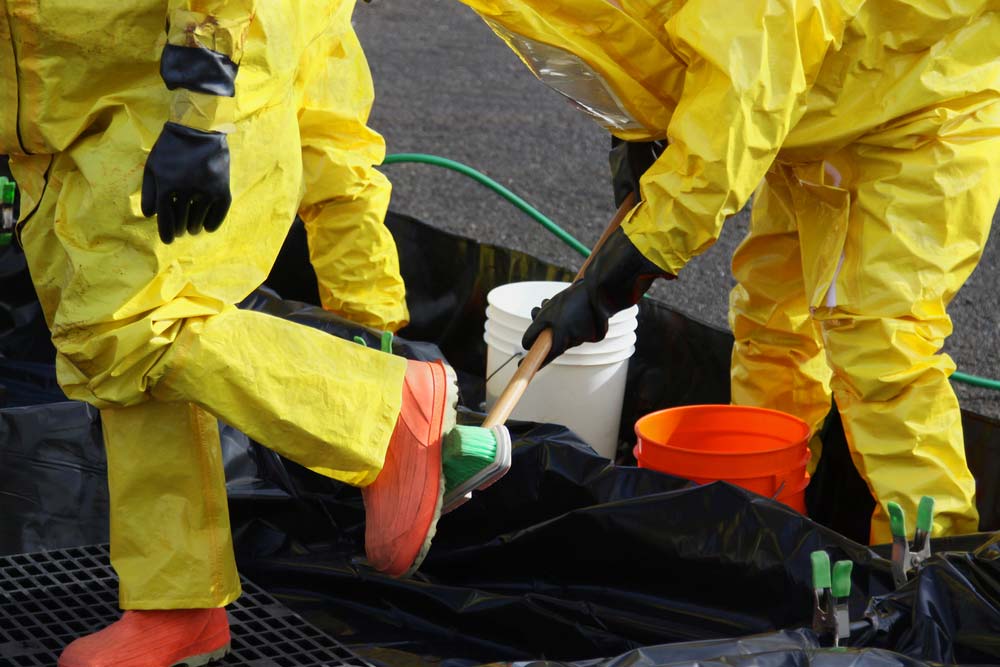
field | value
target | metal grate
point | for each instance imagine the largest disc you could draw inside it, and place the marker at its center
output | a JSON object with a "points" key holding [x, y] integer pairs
{"points": [[48, 599]]}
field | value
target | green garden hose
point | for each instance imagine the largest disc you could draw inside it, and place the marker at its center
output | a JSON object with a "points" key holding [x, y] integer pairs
{"points": [[483, 179], [976, 381]]}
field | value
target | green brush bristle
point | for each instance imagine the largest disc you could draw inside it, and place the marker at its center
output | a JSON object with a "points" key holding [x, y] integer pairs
{"points": [[467, 450]]}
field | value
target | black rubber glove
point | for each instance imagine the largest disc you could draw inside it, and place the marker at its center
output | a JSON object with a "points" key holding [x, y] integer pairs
{"points": [[186, 181], [616, 279], [629, 160]]}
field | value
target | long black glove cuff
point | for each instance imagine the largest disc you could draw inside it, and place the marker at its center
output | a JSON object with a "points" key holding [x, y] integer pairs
{"points": [[616, 279], [619, 275], [198, 69], [629, 160]]}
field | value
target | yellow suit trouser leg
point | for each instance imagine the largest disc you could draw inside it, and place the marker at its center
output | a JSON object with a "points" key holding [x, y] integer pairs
{"points": [[882, 255], [141, 329], [778, 359], [923, 202], [186, 518]]}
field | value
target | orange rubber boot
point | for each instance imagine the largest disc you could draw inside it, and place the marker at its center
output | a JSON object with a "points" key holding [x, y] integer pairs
{"points": [[403, 504], [190, 637]]}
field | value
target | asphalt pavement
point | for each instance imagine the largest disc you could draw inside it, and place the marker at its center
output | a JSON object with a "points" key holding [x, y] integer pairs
{"points": [[446, 85]]}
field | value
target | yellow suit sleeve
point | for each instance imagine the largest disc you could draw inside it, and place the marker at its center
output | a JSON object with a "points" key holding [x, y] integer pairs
{"points": [[749, 67], [218, 25], [346, 198]]}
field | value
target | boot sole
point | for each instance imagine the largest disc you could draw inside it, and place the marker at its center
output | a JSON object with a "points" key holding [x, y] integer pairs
{"points": [[204, 658]]}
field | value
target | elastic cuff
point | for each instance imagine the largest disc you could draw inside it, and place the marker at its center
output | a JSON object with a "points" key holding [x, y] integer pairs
{"points": [[203, 602], [648, 240], [208, 113], [198, 69]]}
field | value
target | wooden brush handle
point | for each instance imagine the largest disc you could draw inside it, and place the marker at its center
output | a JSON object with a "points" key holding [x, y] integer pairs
{"points": [[543, 344]]}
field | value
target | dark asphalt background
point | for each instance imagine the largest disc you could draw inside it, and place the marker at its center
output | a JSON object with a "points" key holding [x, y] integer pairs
{"points": [[445, 85]]}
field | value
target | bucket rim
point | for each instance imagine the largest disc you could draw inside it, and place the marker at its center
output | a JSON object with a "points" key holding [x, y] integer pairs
{"points": [[794, 490], [803, 463], [744, 408], [588, 359], [631, 338], [504, 319]]}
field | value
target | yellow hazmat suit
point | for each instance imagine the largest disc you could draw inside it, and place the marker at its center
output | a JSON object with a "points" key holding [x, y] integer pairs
{"points": [[148, 332], [871, 132]]}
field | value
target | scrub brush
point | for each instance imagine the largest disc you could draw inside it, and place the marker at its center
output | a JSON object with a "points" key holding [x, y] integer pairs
{"points": [[475, 457]]}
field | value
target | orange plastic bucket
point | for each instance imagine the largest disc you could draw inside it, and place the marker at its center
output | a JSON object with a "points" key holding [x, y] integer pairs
{"points": [[764, 451]]}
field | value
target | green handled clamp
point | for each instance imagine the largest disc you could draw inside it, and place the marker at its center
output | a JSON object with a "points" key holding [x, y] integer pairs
{"points": [[8, 191], [832, 589], [905, 558]]}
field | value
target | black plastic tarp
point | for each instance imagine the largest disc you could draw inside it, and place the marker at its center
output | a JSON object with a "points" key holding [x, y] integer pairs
{"points": [[571, 559], [567, 559]]}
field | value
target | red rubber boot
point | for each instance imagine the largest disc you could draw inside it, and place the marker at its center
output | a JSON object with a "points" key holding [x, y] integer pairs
{"points": [[403, 504], [190, 637]]}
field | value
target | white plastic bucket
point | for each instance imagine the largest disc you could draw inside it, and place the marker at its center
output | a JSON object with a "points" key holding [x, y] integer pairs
{"points": [[582, 390]]}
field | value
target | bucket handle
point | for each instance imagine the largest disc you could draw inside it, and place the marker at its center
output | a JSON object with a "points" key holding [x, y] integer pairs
{"points": [[781, 487], [516, 355]]}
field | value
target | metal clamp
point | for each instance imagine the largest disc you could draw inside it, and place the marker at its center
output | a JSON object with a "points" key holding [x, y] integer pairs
{"points": [[832, 590], [907, 559]]}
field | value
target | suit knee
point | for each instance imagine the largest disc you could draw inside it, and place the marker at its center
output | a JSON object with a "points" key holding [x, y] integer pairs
{"points": [[877, 359]]}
